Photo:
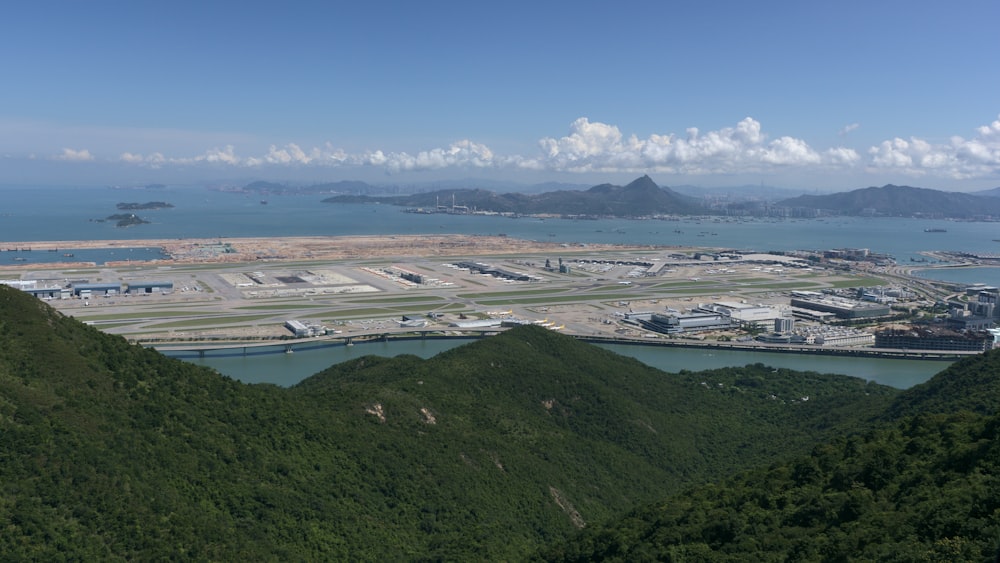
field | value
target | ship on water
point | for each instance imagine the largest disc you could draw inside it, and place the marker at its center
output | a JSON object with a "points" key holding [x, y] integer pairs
{"points": [[935, 231]]}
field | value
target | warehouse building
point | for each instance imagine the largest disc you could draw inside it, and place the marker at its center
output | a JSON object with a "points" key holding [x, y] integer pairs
{"points": [[839, 306], [49, 292], [486, 269], [138, 287], [742, 313], [305, 329], [933, 338], [690, 322], [87, 290]]}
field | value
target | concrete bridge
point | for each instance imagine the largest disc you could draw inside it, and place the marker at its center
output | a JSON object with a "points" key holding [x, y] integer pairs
{"points": [[201, 349]]}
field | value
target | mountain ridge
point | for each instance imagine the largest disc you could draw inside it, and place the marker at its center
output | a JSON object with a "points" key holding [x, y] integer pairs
{"points": [[900, 201], [640, 198]]}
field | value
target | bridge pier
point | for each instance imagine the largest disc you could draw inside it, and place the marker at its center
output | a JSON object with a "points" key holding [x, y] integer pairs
{"points": [[201, 353], [288, 348]]}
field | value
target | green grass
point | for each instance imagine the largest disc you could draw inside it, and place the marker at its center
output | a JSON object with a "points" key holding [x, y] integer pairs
{"points": [[279, 307], [415, 299], [858, 282], [369, 312], [140, 316], [686, 283], [785, 285], [565, 299], [215, 321]]}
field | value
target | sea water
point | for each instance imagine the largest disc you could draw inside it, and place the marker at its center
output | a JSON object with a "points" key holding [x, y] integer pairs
{"points": [[288, 369], [72, 213]]}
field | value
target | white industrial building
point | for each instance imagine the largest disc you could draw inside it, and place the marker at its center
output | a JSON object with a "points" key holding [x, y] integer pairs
{"points": [[743, 313], [302, 330]]}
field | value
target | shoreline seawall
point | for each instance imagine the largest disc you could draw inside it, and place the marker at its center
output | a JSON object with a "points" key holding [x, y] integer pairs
{"points": [[277, 346]]}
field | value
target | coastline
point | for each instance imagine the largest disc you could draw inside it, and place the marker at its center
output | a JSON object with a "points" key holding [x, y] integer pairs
{"points": [[286, 345], [224, 250], [247, 250]]}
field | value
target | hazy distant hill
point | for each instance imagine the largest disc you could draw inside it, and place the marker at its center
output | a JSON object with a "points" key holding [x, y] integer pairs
{"points": [[345, 186], [641, 197], [741, 193], [995, 192], [900, 201], [492, 184], [485, 452]]}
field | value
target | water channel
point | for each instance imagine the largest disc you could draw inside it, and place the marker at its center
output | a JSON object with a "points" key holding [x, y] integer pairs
{"points": [[288, 369]]}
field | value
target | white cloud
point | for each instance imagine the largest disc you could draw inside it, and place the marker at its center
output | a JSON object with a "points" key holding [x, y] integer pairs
{"points": [[848, 128], [585, 140], [464, 153], [958, 159], [72, 155], [225, 155], [154, 160], [842, 156], [602, 147], [591, 146]]}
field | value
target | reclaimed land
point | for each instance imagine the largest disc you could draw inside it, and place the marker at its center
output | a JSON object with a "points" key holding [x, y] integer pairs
{"points": [[235, 250]]}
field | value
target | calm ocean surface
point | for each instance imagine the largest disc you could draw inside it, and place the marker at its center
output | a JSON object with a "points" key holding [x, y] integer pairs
{"points": [[69, 213], [289, 369]]}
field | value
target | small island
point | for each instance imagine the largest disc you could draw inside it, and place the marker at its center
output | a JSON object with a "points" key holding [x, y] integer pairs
{"points": [[126, 219], [144, 206]]}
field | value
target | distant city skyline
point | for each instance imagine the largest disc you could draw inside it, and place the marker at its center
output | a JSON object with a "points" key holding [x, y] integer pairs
{"points": [[789, 94]]}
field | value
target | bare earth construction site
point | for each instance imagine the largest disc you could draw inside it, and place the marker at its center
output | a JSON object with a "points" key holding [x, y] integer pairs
{"points": [[245, 290]]}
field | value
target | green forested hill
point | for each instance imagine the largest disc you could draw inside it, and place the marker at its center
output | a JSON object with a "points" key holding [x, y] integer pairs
{"points": [[972, 384], [924, 489], [922, 485], [488, 451]]}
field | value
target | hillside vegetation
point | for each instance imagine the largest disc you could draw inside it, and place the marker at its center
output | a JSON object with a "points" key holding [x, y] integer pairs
{"points": [[922, 485], [486, 452]]}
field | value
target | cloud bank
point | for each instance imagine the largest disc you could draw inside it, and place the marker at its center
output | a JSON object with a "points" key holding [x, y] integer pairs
{"points": [[591, 146]]}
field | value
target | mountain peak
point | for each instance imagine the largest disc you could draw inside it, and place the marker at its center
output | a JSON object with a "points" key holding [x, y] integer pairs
{"points": [[642, 183]]}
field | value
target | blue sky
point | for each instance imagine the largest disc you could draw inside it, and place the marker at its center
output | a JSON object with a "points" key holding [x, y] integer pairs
{"points": [[831, 95]]}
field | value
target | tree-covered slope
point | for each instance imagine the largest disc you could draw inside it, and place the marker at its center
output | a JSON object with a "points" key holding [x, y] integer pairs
{"points": [[115, 452], [926, 488], [972, 384], [922, 485]]}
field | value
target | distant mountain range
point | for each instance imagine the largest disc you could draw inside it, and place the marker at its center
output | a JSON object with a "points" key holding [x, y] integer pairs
{"points": [[357, 187], [643, 197], [640, 198], [995, 192], [746, 192], [900, 201]]}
